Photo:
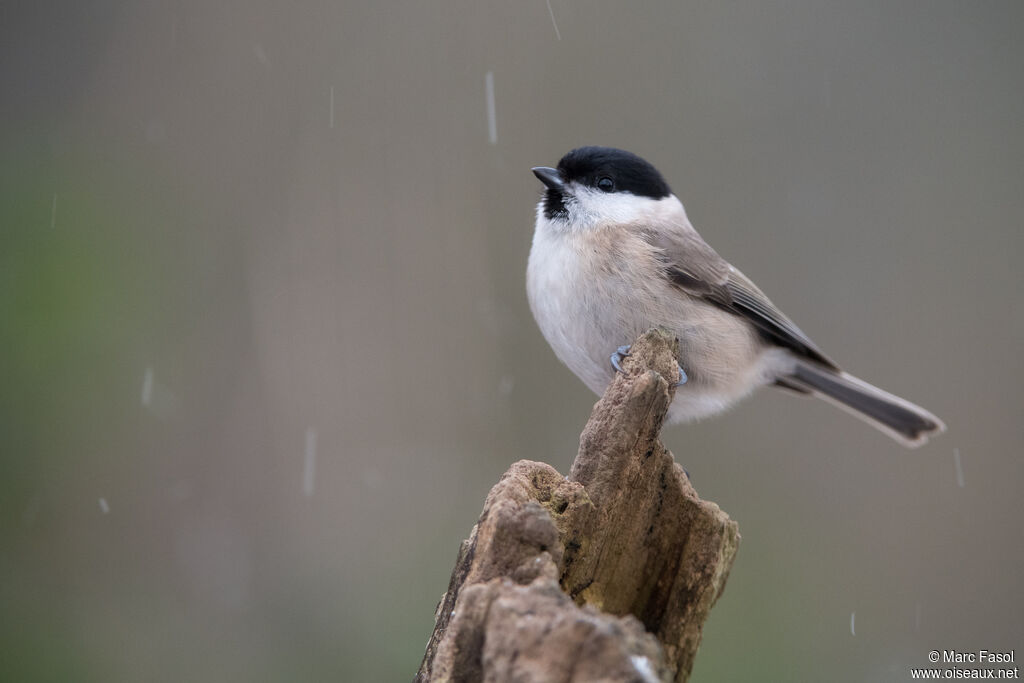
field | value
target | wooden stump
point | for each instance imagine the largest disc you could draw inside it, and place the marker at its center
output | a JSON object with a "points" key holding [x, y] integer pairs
{"points": [[608, 574]]}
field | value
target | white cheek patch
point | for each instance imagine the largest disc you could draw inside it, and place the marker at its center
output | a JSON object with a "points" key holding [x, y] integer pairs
{"points": [[589, 208]]}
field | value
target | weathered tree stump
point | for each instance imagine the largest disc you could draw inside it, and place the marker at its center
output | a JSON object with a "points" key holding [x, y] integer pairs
{"points": [[608, 574]]}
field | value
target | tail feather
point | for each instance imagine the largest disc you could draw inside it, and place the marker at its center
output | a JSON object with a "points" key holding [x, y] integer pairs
{"points": [[909, 424]]}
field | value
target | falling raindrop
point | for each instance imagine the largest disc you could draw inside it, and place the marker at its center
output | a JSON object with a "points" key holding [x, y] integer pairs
{"points": [[959, 468], [492, 121], [554, 23], [332, 107], [147, 387], [309, 471], [261, 54]]}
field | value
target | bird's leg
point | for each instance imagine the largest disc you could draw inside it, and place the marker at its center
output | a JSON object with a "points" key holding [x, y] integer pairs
{"points": [[617, 357]]}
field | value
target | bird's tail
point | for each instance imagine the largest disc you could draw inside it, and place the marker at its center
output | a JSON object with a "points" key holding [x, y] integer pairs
{"points": [[909, 424]]}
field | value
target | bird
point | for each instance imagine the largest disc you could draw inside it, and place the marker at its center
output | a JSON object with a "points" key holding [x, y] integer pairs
{"points": [[614, 254]]}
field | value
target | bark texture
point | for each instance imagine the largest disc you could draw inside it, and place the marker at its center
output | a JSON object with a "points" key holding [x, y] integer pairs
{"points": [[606, 575]]}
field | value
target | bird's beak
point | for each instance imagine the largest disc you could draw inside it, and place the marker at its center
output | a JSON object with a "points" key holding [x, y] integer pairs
{"points": [[549, 176]]}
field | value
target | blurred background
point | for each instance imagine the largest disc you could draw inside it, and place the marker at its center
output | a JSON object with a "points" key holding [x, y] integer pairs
{"points": [[265, 345]]}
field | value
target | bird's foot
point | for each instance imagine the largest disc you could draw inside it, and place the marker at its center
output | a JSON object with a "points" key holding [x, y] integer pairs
{"points": [[623, 351], [620, 353]]}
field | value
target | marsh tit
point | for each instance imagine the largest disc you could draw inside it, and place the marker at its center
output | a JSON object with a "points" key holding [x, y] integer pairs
{"points": [[614, 254]]}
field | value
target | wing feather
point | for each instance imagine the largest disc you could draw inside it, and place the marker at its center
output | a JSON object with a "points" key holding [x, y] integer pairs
{"points": [[694, 267]]}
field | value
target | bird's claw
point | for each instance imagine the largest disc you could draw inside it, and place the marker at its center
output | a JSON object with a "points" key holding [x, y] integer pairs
{"points": [[682, 376]]}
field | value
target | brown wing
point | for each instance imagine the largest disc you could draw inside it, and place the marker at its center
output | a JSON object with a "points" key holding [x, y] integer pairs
{"points": [[693, 266]]}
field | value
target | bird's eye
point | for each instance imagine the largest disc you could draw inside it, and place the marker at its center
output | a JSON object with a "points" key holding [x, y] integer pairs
{"points": [[605, 184]]}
